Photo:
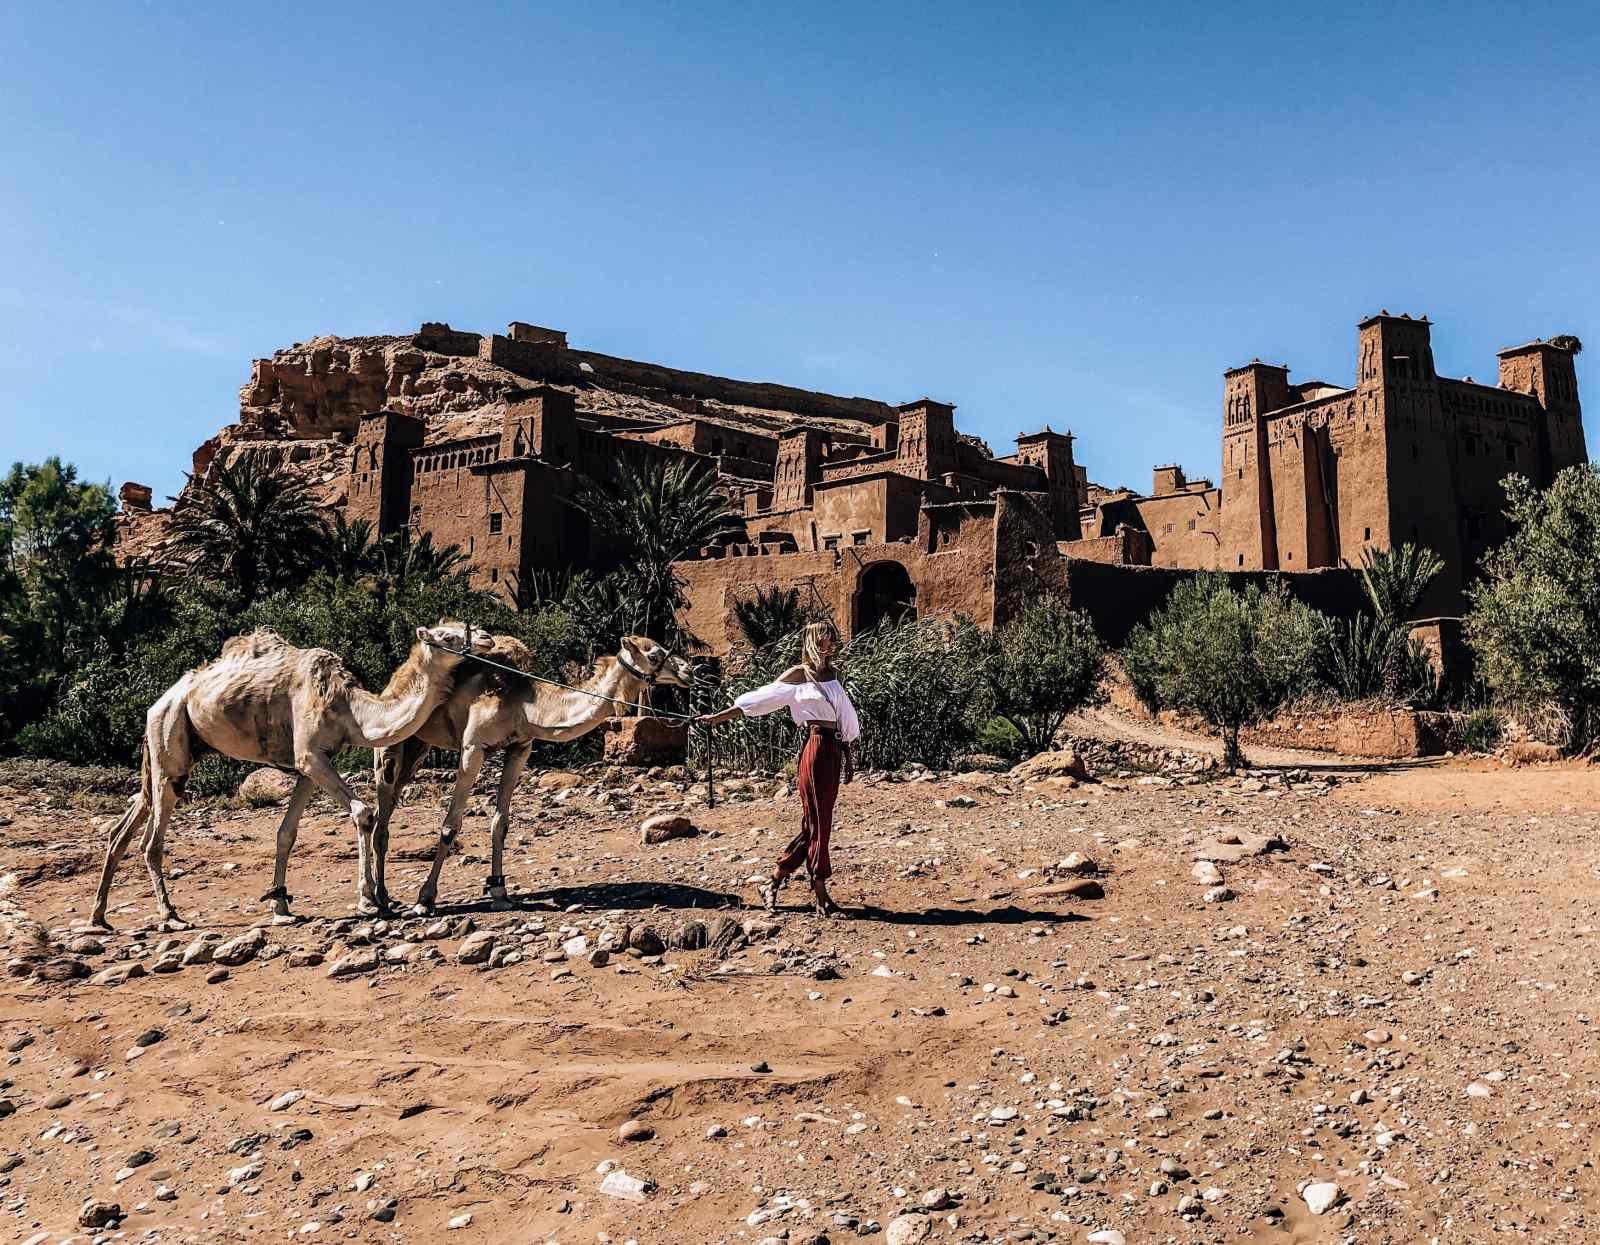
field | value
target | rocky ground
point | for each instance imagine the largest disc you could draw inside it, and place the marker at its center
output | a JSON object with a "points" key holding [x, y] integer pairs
{"points": [[1304, 1005]]}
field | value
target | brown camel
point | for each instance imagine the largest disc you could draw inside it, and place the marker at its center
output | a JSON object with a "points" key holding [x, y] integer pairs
{"points": [[266, 701], [493, 709]]}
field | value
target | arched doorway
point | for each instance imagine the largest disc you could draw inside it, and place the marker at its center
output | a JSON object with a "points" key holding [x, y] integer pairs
{"points": [[884, 594]]}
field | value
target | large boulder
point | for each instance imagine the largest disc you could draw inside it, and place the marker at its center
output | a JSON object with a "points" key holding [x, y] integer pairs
{"points": [[266, 785], [665, 826], [1064, 763], [646, 741]]}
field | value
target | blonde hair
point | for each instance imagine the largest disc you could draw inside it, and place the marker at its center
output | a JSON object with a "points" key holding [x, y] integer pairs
{"points": [[811, 648]]}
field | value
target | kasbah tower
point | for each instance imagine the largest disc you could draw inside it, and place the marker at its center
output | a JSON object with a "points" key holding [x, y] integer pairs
{"points": [[1314, 473]]}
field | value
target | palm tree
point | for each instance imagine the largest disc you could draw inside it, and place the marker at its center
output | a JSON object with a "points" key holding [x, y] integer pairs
{"points": [[653, 515], [252, 523], [1395, 580], [348, 549], [769, 616], [405, 559]]}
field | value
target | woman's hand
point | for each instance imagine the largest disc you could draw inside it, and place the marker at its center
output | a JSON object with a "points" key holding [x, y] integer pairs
{"points": [[849, 766]]}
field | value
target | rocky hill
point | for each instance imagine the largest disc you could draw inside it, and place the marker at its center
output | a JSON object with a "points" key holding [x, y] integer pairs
{"points": [[304, 403]]}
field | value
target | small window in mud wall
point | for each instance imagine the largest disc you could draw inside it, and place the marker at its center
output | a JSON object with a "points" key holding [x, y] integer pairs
{"points": [[1511, 451], [416, 516], [495, 521], [1166, 529], [859, 538], [830, 542], [494, 575], [1191, 525]]}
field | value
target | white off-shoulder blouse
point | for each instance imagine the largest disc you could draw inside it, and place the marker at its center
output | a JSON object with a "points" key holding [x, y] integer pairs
{"points": [[806, 702]]}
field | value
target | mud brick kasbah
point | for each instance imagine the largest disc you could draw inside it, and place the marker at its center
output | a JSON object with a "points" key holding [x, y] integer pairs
{"points": [[874, 510]]}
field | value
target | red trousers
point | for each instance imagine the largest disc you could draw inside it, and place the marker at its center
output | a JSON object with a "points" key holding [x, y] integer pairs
{"points": [[821, 761]]}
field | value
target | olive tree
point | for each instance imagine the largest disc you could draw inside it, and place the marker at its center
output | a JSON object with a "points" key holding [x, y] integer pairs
{"points": [[1039, 667], [1231, 658], [1534, 621]]}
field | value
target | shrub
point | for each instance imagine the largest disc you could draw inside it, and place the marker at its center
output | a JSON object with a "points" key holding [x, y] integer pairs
{"points": [[1480, 731], [1041, 666], [997, 737], [1231, 658], [1534, 621], [915, 686]]}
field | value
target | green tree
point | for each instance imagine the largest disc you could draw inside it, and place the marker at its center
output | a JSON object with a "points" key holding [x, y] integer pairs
{"points": [[653, 515], [347, 548], [1395, 580], [1231, 658], [253, 524], [59, 586], [1534, 621], [1039, 667], [405, 560]]}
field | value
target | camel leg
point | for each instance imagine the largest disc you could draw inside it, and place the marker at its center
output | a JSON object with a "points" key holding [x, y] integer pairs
{"points": [[165, 797], [117, 839], [393, 768], [316, 769], [510, 776], [471, 763], [288, 831]]}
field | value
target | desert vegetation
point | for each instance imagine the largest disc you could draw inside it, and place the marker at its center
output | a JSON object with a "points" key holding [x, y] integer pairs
{"points": [[88, 643]]}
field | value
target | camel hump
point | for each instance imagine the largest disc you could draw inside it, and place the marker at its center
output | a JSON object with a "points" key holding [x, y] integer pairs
{"points": [[257, 643]]}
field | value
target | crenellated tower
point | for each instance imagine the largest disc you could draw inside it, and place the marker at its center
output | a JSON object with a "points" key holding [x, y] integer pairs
{"points": [[380, 469], [927, 445], [1051, 452]]}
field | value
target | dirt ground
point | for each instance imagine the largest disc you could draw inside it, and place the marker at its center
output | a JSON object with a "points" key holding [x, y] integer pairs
{"points": [[1399, 1003]]}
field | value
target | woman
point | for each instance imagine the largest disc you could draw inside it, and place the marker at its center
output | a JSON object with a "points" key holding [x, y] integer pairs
{"points": [[817, 703]]}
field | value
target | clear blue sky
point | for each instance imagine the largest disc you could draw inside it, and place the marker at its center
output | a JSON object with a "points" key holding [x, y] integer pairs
{"points": [[1073, 214]]}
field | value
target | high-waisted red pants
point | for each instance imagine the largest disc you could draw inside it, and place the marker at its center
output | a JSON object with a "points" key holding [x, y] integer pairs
{"points": [[821, 761]]}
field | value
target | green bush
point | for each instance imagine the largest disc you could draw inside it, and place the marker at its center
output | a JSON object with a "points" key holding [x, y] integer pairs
{"points": [[1481, 730], [1039, 667], [1534, 622], [998, 738], [915, 686], [1231, 658]]}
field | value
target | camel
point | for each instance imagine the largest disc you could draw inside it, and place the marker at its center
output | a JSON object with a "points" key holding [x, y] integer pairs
{"points": [[494, 709], [264, 700]]}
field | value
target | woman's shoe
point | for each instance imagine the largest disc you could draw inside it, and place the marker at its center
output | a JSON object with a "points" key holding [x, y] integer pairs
{"points": [[769, 893], [822, 903]]}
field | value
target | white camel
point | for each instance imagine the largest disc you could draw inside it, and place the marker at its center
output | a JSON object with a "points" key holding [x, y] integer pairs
{"points": [[265, 701], [491, 708]]}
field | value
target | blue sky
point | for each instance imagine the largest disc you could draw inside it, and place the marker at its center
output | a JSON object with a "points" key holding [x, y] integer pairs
{"points": [[1063, 214]]}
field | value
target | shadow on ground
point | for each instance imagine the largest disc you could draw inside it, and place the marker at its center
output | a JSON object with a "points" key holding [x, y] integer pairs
{"points": [[1009, 915]]}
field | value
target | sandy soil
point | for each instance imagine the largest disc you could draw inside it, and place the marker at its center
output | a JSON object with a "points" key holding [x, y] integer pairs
{"points": [[1400, 1003]]}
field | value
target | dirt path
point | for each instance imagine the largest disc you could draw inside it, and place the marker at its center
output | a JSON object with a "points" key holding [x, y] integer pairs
{"points": [[1400, 1003]]}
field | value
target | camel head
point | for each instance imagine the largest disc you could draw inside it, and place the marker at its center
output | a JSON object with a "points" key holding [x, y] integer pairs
{"points": [[656, 661], [442, 643]]}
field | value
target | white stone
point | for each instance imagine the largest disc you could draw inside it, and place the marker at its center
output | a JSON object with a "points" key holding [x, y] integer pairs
{"points": [[630, 1188], [908, 1229], [1323, 1197], [286, 1100]]}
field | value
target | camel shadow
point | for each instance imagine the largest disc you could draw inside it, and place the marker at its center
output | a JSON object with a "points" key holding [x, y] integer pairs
{"points": [[1008, 915], [616, 896]]}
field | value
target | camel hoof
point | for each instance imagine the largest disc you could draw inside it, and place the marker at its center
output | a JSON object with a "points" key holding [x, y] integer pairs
{"points": [[367, 907], [286, 918], [174, 925], [500, 902], [422, 908]]}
